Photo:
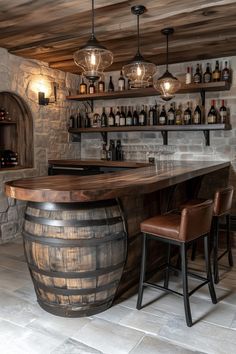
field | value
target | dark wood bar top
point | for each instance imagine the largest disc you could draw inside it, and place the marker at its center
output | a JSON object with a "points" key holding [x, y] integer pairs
{"points": [[67, 188], [95, 163]]}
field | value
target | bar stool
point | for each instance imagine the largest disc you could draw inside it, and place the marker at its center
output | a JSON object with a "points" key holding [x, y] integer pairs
{"points": [[222, 207], [193, 223]]}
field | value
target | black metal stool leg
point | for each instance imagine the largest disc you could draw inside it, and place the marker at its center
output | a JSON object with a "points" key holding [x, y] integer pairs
{"points": [[166, 282], [208, 270], [142, 273], [194, 250], [184, 267], [215, 256], [229, 249]]}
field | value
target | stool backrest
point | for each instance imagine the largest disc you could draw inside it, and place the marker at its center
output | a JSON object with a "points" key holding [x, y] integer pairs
{"points": [[223, 200], [196, 220]]}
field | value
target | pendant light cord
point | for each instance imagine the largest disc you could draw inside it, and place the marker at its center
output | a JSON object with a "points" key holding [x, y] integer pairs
{"points": [[138, 40], [167, 51], [93, 19]]}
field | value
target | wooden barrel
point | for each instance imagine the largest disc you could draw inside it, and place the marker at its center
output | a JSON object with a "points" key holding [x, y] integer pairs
{"points": [[75, 254]]}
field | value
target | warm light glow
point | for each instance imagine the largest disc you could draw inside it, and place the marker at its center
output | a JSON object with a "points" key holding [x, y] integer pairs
{"points": [[93, 59], [139, 71], [40, 84], [167, 86]]}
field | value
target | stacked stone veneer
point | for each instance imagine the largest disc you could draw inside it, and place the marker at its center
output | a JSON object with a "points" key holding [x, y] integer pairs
{"points": [[51, 140]]}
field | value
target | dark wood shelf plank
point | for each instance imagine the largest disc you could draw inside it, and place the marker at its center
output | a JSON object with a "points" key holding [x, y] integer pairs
{"points": [[6, 122]]}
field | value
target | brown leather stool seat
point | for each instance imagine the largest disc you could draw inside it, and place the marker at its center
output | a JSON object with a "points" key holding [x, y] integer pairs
{"points": [[179, 229], [222, 207]]}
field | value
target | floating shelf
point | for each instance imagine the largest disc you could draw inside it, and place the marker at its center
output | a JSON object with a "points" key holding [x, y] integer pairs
{"points": [[6, 122], [164, 129]]}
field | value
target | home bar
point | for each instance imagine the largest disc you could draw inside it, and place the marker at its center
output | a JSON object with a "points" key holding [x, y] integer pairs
{"points": [[117, 177]]}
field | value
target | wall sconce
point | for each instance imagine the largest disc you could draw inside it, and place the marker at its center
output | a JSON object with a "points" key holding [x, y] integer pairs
{"points": [[45, 90]]}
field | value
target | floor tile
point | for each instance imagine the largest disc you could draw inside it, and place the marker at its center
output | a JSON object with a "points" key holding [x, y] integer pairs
{"points": [[71, 346]]}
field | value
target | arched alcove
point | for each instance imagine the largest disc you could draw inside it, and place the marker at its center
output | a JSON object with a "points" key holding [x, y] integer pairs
{"points": [[16, 133]]}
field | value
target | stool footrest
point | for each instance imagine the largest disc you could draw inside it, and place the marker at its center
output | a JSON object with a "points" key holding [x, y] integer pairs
{"points": [[222, 255]]}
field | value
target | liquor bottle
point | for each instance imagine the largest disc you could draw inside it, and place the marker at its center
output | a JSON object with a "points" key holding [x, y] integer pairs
{"points": [[101, 86], [91, 88], [103, 152], [129, 118], [150, 116], [226, 73], [207, 77], [171, 115], [112, 150], [188, 77], [86, 120], [155, 115], [197, 78], [103, 118], [119, 152], [110, 85], [121, 82], [216, 73], [122, 117], [163, 116], [223, 113], [142, 117], [111, 118], [188, 115], [212, 115], [179, 116], [197, 115], [78, 122], [135, 117], [83, 87], [72, 122], [117, 117]]}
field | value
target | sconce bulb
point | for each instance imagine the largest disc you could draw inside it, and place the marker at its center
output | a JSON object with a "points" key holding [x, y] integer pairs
{"points": [[139, 71], [93, 59]]}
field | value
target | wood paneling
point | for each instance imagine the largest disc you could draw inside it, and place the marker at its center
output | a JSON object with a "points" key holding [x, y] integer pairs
{"points": [[53, 30]]}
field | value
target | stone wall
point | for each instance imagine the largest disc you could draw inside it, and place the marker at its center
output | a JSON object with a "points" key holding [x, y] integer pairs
{"points": [[51, 140]]}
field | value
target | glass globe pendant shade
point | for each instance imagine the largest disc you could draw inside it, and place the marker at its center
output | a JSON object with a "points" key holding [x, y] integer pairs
{"points": [[167, 85], [139, 72], [93, 58]]}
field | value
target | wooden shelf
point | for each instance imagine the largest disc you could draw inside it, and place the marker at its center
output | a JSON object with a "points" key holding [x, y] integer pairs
{"points": [[150, 91], [6, 122]]}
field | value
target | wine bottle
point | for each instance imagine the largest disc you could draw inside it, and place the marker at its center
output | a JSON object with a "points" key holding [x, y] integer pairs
{"points": [[72, 122], [103, 152], [197, 78], [135, 117], [101, 86], [155, 115], [83, 87], [121, 82], [142, 117], [226, 73], [163, 116], [91, 88], [223, 113], [119, 152], [197, 115], [178, 116], [117, 117], [103, 118], [216, 73], [188, 115], [110, 85], [188, 77], [111, 118], [150, 116], [122, 117], [171, 115], [207, 77], [212, 115], [129, 118]]}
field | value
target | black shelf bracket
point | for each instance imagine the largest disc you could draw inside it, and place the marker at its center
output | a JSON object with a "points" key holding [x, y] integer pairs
{"points": [[104, 137], [165, 137], [207, 137]]}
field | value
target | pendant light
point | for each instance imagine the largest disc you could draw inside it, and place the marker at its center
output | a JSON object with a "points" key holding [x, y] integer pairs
{"points": [[93, 58], [139, 71], [167, 84]]}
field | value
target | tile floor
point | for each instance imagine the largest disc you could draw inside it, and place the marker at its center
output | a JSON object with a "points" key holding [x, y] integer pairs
{"points": [[158, 328]]}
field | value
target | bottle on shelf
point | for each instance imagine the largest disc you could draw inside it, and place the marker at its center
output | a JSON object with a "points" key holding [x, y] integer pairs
{"points": [[72, 122], [112, 150], [103, 152], [187, 119], [110, 85], [163, 116], [226, 73], [188, 76], [83, 87], [212, 114], [78, 123], [207, 77], [197, 78], [179, 115], [121, 82], [2, 113], [216, 73], [150, 116], [111, 118], [119, 152], [122, 117], [129, 118], [155, 114], [171, 115], [142, 117], [101, 85], [223, 113], [135, 117], [117, 117], [91, 89], [86, 120], [197, 115], [103, 118]]}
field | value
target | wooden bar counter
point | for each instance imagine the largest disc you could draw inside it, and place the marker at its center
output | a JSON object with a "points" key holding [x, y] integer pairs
{"points": [[81, 233]]}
